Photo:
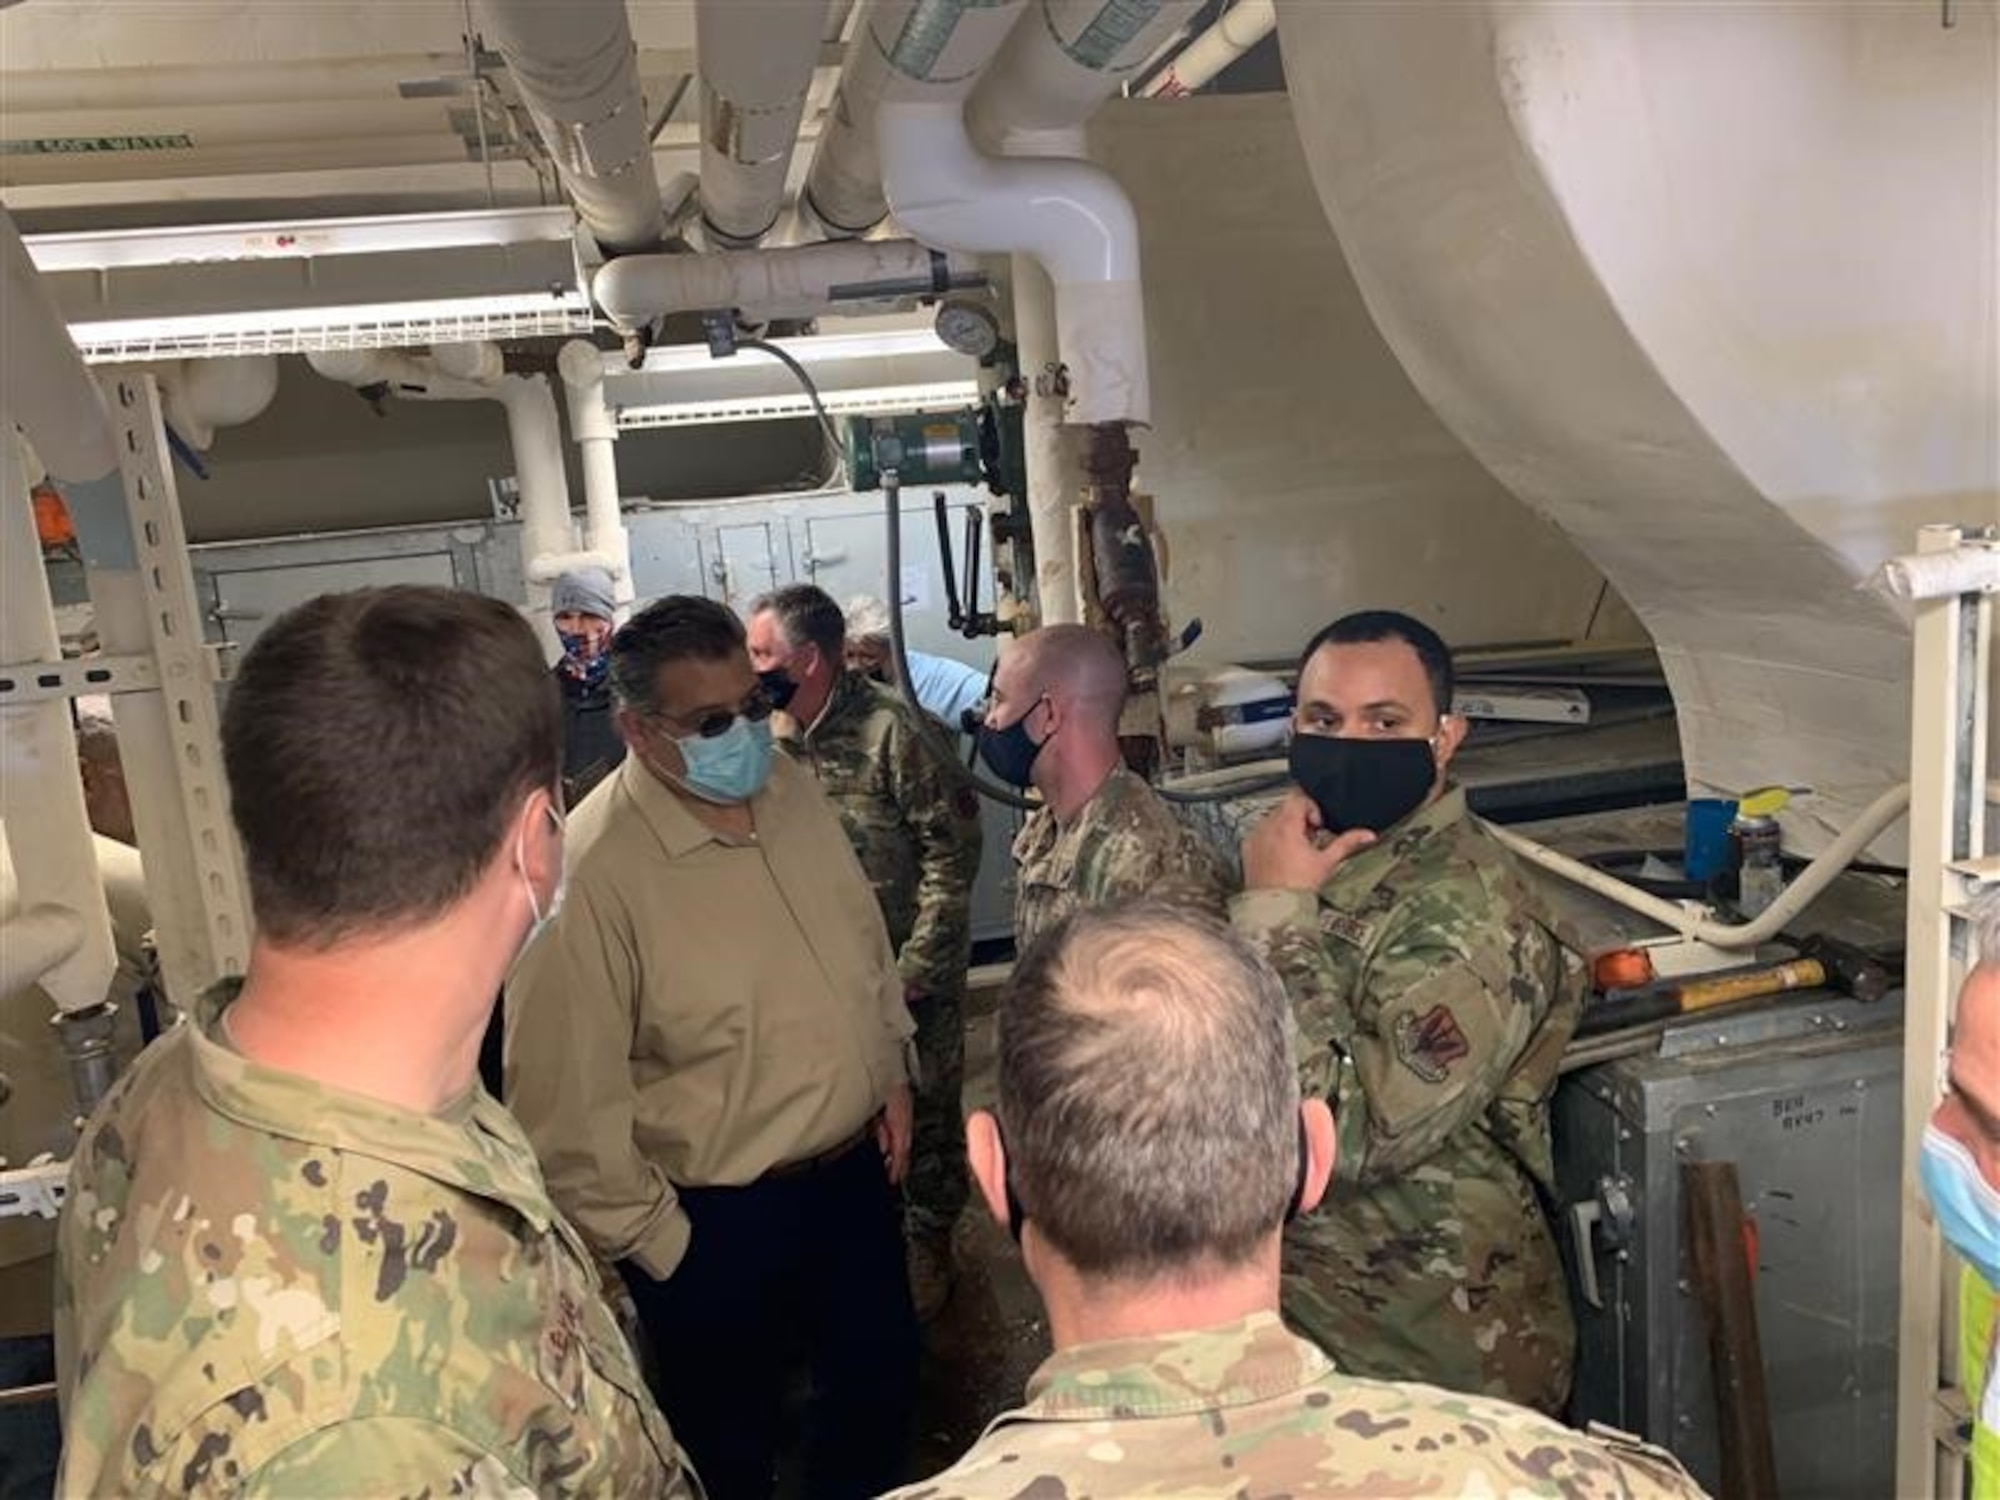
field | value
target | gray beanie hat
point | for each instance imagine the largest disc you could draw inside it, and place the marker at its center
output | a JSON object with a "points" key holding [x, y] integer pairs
{"points": [[587, 591]]}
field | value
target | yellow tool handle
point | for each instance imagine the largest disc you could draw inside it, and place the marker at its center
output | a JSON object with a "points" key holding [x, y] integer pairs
{"points": [[1799, 974]]}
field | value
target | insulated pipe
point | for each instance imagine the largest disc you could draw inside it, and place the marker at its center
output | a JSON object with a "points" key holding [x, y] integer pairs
{"points": [[756, 65], [1064, 61], [793, 282], [533, 431], [1070, 215], [596, 435], [1875, 819], [71, 952], [48, 392], [930, 50], [36, 944], [577, 70], [1242, 26], [1051, 450]]}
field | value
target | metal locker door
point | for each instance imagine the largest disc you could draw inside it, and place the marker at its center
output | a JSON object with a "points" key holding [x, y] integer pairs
{"points": [[751, 558]]}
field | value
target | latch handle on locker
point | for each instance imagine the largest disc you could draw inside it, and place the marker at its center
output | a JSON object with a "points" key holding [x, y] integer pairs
{"points": [[1604, 1221]]}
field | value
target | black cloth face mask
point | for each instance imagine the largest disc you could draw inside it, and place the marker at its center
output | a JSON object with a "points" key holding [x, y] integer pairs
{"points": [[1371, 784], [1010, 753], [779, 688]]}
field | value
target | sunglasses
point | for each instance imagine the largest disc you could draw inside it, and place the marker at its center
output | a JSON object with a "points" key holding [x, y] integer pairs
{"points": [[756, 708]]}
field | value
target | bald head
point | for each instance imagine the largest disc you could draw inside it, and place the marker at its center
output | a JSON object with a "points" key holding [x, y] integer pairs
{"points": [[1149, 1098]]}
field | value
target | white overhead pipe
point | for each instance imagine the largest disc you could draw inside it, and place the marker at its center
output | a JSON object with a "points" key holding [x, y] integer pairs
{"points": [[931, 50], [1070, 215], [533, 431], [1241, 27], [756, 66], [788, 282], [582, 367], [577, 70], [1688, 921], [1063, 63]]}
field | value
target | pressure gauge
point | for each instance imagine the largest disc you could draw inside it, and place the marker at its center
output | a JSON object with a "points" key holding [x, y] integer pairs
{"points": [[968, 328]]}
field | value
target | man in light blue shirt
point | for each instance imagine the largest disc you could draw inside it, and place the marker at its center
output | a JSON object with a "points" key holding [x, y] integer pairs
{"points": [[943, 688]]}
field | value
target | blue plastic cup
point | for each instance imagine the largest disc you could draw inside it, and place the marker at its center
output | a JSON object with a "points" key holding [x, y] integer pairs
{"points": [[1708, 820]]}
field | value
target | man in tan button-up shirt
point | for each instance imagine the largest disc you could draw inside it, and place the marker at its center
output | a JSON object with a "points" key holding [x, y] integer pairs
{"points": [[706, 1046]]}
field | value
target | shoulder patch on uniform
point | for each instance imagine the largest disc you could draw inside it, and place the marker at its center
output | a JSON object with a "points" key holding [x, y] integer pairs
{"points": [[1430, 1043]]}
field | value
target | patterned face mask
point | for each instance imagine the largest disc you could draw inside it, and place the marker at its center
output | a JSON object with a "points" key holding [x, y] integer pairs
{"points": [[584, 657]]}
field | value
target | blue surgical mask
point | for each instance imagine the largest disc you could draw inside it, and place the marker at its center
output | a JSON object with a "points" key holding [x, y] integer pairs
{"points": [[1967, 1206], [729, 767]]}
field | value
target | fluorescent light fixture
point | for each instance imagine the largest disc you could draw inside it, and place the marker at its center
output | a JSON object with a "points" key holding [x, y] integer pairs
{"points": [[868, 401], [382, 325], [819, 349], [282, 239]]}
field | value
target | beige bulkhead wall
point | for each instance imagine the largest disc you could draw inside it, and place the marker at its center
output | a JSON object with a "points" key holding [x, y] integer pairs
{"points": [[1713, 287], [1298, 472]]}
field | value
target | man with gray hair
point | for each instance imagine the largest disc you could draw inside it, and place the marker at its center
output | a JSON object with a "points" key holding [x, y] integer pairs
{"points": [[1149, 1144], [944, 688], [1102, 834]]}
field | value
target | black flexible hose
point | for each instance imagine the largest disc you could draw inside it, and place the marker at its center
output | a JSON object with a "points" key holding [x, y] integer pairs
{"points": [[805, 380]]}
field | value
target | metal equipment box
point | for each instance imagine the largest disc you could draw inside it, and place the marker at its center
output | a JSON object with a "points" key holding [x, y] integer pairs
{"points": [[1805, 1099]]}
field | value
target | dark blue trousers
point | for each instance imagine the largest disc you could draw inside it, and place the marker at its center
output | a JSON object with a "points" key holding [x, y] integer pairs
{"points": [[803, 1266]]}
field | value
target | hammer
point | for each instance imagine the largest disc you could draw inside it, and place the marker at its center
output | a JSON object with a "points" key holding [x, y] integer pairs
{"points": [[1823, 963]]}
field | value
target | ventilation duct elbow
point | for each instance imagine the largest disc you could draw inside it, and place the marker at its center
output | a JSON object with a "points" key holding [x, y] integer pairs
{"points": [[1052, 75], [928, 50], [1071, 216]]}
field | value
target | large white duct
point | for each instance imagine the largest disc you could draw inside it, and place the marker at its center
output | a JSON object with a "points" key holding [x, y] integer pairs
{"points": [[1071, 216], [793, 282], [577, 70], [48, 392], [1062, 61], [931, 50], [1714, 290], [534, 432], [756, 68], [204, 394]]}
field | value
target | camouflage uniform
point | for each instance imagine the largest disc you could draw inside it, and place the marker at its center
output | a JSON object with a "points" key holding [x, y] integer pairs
{"points": [[266, 1286], [1433, 1008], [1124, 842], [1250, 1409], [915, 826]]}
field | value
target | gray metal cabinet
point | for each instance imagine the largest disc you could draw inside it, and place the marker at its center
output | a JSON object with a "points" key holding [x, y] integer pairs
{"points": [[1805, 1100]]}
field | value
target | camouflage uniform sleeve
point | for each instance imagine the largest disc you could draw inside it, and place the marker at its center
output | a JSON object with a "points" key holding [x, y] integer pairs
{"points": [[407, 1457], [384, 1456], [943, 813], [1438, 1026], [570, 1006], [1284, 926]]}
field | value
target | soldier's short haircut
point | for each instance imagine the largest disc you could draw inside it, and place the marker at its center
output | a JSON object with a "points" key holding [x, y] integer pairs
{"points": [[1078, 659], [806, 614], [678, 627], [1371, 625], [378, 744], [1148, 1092]]}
